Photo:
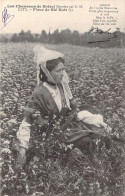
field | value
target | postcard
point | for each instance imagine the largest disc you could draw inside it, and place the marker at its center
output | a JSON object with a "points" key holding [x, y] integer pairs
{"points": [[62, 97]]}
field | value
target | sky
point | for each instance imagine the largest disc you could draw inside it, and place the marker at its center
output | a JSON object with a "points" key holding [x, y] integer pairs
{"points": [[80, 18]]}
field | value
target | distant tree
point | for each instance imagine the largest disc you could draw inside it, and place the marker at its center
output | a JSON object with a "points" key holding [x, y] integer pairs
{"points": [[76, 32], [66, 36], [75, 38], [66, 32], [14, 38], [49, 35], [43, 37], [55, 37], [36, 37], [29, 37], [4, 39], [22, 36], [122, 39], [97, 36]]}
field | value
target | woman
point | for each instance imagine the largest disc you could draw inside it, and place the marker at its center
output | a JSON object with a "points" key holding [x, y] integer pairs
{"points": [[52, 96]]}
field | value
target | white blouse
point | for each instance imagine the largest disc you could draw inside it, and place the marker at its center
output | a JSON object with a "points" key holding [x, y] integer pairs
{"points": [[55, 94]]}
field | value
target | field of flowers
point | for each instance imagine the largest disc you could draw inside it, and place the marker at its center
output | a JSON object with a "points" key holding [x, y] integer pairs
{"points": [[97, 78]]}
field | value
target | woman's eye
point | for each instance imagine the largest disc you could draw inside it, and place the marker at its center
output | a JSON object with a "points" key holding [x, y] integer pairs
{"points": [[60, 70]]}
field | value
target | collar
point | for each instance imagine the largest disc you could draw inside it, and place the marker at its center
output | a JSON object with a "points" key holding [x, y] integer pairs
{"points": [[51, 83]]}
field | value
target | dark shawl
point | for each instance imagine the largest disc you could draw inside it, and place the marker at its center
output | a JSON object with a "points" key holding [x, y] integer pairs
{"points": [[41, 100]]}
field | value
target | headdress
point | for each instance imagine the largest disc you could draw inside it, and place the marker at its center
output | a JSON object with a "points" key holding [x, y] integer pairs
{"points": [[42, 55]]}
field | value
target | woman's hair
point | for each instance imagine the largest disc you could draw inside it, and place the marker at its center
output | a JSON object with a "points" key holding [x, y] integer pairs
{"points": [[50, 65]]}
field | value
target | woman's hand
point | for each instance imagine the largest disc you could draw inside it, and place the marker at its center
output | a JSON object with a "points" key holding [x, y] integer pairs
{"points": [[22, 157]]}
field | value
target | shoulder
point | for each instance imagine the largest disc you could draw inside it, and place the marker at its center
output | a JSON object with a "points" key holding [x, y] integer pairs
{"points": [[40, 90]]}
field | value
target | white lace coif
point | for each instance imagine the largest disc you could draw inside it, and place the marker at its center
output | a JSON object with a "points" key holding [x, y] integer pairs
{"points": [[42, 55]]}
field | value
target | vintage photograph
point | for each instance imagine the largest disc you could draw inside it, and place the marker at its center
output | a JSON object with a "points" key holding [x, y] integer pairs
{"points": [[62, 107]]}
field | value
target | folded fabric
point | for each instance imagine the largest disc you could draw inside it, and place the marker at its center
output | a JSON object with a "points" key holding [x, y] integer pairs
{"points": [[93, 119]]}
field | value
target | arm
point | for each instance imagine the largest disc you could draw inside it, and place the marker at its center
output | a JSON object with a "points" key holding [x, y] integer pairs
{"points": [[40, 102], [23, 133], [23, 136]]}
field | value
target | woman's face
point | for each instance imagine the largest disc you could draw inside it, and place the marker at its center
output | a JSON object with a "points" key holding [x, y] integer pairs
{"points": [[58, 72]]}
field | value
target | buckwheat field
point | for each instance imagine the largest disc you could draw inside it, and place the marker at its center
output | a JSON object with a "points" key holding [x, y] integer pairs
{"points": [[97, 78]]}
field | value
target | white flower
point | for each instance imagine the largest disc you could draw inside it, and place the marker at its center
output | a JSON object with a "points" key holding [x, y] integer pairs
{"points": [[6, 142], [5, 150], [108, 129], [1, 130], [12, 121], [70, 146]]}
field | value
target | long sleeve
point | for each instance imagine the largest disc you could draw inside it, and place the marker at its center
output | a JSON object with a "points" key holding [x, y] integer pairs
{"points": [[40, 105], [23, 133]]}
